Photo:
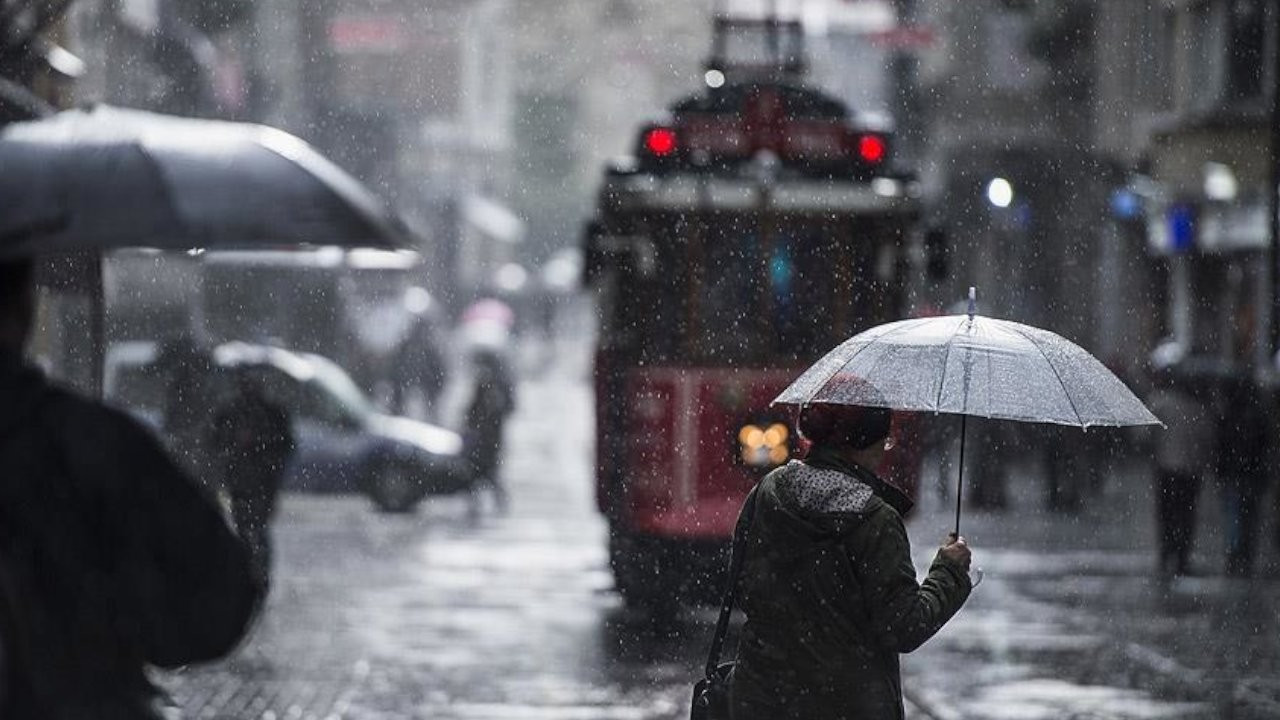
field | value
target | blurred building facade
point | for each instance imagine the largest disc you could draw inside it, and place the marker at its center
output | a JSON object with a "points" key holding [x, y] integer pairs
{"points": [[1210, 172], [1127, 141], [1109, 170], [410, 99], [1008, 91]]}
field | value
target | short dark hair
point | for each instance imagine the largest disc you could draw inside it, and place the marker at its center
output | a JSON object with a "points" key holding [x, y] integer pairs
{"points": [[856, 426]]}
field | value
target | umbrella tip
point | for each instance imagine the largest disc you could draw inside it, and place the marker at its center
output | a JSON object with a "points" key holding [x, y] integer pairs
{"points": [[973, 301]]}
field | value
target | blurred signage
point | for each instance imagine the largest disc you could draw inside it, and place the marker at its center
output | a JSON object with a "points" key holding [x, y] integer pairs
{"points": [[905, 37], [1238, 226], [1182, 227], [368, 34], [1172, 231]]}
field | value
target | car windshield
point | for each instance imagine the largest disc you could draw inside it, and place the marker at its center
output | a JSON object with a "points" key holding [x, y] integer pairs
{"points": [[333, 382]]}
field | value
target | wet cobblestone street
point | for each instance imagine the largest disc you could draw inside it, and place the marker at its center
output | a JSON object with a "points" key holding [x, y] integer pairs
{"points": [[432, 615]]}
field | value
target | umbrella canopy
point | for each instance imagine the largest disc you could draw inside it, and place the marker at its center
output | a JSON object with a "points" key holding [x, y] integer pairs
{"points": [[104, 177], [971, 365]]}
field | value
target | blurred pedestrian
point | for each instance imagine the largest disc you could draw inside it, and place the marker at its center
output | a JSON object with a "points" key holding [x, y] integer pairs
{"points": [[1069, 465], [188, 394], [990, 451], [419, 370], [114, 558], [492, 400], [1182, 452], [827, 583], [254, 441], [1242, 448]]}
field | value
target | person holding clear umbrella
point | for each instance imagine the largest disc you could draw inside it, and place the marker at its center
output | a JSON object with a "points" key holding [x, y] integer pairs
{"points": [[828, 586]]}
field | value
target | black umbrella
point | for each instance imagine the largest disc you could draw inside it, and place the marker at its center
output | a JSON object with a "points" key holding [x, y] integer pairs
{"points": [[104, 177]]}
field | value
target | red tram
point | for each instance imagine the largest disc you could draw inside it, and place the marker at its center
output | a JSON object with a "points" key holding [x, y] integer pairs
{"points": [[753, 230]]}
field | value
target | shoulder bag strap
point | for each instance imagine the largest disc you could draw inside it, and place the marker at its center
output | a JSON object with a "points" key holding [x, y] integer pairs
{"points": [[731, 586]]}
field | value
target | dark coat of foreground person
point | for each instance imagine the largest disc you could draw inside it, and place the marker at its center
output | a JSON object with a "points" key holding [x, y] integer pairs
{"points": [[111, 559], [831, 596]]}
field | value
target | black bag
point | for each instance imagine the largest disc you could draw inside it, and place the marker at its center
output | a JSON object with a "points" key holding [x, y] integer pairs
{"points": [[711, 693]]}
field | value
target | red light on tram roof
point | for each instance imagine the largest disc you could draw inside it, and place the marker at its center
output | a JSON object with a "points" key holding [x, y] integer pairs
{"points": [[871, 148], [660, 141]]}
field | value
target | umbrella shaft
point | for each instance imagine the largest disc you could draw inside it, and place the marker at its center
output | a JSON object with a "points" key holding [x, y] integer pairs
{"points": [[960, 482]]}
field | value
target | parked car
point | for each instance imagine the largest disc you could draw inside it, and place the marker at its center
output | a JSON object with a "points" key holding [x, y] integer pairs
{"points": [[344, 444]]}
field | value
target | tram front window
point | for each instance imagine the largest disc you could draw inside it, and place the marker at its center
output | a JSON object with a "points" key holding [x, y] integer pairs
{"points": [[732, 295]]}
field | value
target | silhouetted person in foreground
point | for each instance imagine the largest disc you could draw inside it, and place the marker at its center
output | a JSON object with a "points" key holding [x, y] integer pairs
{"points": [[827, 583], [253, 440], [492, 400], [112, 558]]}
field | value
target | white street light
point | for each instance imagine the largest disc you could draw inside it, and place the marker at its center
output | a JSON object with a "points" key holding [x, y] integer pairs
{"points": [[1220, 182], [1000, 193]]}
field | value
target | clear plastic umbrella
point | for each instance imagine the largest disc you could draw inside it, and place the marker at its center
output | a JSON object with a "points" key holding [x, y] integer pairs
{"points": [[970, 365]]}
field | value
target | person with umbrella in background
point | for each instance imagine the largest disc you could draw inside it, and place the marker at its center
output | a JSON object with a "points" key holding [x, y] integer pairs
{"points": [[1183, 453], [1243, 444], [492, 400], [113, 557], [828, 587]]}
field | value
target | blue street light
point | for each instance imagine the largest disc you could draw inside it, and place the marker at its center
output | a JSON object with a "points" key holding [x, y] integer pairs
{"points": [[1125, 204]]}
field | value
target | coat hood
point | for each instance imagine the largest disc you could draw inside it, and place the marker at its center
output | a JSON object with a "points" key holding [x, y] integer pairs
{"points": [[825, 457], [821, 498], [20, 389]]}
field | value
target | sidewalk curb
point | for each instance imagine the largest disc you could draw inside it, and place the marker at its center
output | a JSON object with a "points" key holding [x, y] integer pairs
{"points": [[928, 709]]}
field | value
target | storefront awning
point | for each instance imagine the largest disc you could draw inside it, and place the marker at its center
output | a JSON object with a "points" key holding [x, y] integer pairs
{"points": [[493, 219]]}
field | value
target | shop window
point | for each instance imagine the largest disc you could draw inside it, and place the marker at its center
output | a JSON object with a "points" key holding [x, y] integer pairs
{"points": [[1246, 50], [1008, 62], [1206, 44], [1154, 70]]}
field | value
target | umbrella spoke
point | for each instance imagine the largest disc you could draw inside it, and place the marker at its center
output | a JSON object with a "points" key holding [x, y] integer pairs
{"points": [[885, 332], [1065, 391], [946, 360]]}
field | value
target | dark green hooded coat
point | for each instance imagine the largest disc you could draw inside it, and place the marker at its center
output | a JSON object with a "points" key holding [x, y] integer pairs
{"points": [[831, 596]]}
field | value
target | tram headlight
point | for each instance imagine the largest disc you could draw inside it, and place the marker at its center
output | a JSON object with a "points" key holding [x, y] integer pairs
{"points": [[764, 446]]}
